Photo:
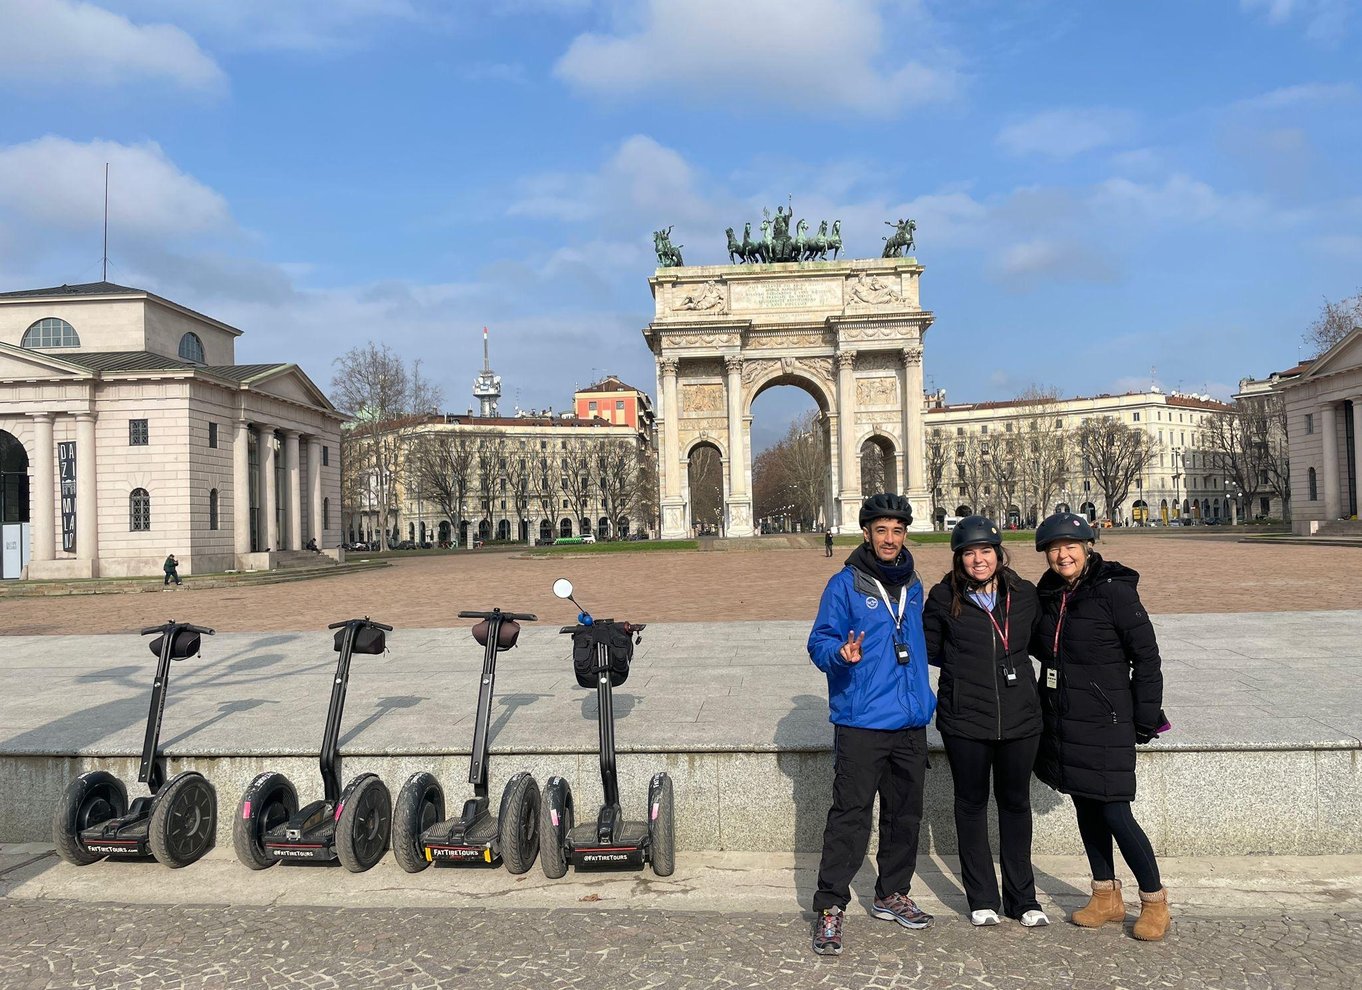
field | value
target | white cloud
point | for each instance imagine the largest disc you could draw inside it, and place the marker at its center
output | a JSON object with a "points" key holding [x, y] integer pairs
{"points": [[1049, 260], [1326, 21], [68, 43], [1290, 97], [810, 54], [248, 25], [1064, 133]]}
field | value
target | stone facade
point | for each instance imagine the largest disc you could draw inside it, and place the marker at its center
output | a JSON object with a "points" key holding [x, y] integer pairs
{"points": [[847, 332], [210, 460]]}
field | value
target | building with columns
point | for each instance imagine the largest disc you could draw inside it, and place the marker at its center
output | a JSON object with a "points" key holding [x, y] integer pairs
{"points": [[128, 432], [1324, 434]]}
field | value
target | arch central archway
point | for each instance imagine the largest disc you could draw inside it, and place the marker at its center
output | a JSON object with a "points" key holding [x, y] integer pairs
{"points": [[14, 504], [848, 332]]}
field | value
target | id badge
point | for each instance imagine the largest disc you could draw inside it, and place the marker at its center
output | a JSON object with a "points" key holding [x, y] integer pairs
{"points": [[901, 653], [1051, 678], [1010, 677]]}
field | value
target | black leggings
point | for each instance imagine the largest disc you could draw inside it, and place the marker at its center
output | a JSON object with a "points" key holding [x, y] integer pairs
{"points": [[1101, 821]]}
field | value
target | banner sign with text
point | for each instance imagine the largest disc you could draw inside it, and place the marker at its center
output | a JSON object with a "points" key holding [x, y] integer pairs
{"points": [[66, 464]]}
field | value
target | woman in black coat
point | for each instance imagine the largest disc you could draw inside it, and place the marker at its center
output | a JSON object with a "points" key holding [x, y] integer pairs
{"points": [[978, 622], [1101, 692]]}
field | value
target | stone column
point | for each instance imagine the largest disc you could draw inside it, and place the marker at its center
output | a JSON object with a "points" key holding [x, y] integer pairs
{"points": [[1329, 438], [241, 488], [850, 487], [739, 502], [87, 495], [314, 488], [914, 440], [293, 505], [673, 503], [44, 528], [1357, 452], [269, 529]]}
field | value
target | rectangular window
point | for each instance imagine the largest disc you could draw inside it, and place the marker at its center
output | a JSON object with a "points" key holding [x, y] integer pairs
{"points": [[619, 403], [326, 457], [1009, 427], [213, 438], [565, 503], [1309, 423], [543, 445], [137, 432], [959, 431], [591, 406], [326, 512], [1059, 424], [984, 429], [1134, 417]]}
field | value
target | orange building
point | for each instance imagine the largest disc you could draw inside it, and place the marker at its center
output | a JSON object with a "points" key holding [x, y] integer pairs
{"points": [[615, 402]]}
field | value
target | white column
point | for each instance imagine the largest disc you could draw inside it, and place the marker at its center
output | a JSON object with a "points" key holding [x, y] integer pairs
{"points": [[269, 529], [673, 503], [241, 487], [850, 487], [1357, 451], [87, 500], [293, 504], [44, 489], [739, 502], [914, 440], [314, 488], [1329, 438]]}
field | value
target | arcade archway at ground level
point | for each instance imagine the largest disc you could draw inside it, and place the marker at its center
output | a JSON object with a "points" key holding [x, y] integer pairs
{"points": [[14, 506], [850, 329]]}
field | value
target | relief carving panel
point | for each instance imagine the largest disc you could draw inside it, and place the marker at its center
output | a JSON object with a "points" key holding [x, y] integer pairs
{"points": [[877, 392], [702, 398]]}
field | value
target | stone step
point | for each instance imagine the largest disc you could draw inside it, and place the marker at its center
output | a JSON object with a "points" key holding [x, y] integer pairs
{"points": [[1340, 527]]}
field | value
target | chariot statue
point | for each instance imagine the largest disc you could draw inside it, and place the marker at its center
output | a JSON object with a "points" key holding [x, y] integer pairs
{"points": [[668, 256]]}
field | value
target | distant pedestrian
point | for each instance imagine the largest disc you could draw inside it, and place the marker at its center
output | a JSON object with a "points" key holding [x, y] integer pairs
{"points": [[867, 639], [827, 542], [171, 571], [978, 622], [1101, 693]]}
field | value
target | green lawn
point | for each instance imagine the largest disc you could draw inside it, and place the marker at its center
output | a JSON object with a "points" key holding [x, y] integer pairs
{"points": [[620, 546]]}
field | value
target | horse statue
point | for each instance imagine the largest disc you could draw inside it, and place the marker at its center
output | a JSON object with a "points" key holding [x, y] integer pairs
{"points": [[900, 242], [835, 239], [750, 250], [801, 241], [816, 247], [667, 255], [735, 254]]}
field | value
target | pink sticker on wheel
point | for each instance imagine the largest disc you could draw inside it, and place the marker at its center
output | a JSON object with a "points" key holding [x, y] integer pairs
{"points": [[246, 810], [654, 814], [338, 810], [553, 816]]}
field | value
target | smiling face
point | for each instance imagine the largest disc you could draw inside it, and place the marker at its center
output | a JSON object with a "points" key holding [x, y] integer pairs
{"points": [[980, 562], [886, 537], [1066, 558]]}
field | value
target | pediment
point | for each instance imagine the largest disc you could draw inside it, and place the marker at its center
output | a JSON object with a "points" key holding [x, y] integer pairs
{"points": [[1346, 355], [290, 383], [20, 363]]}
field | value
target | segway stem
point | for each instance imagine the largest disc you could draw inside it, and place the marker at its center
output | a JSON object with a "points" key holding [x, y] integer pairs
{"points": [[151, 771], [330, 761], [605, 704], [477, 764]]}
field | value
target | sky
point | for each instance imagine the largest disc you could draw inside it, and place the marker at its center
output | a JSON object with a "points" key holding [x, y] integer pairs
{"points": [[1107, 196]]}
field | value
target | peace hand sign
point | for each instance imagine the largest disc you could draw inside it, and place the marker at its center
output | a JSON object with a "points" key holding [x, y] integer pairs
{"points": [[851, 649]]}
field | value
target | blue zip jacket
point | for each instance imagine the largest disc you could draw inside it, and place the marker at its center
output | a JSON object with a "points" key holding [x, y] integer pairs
{"points": [[878, 692]]}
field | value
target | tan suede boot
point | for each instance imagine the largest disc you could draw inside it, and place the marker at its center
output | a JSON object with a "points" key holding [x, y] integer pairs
{"points": [[1152, 924], [1106, 905]]}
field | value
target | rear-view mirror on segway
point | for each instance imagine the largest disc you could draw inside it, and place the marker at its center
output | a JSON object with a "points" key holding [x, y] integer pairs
{"points": [[350, 824], [177, 823], [422, 835], [602, 651]]}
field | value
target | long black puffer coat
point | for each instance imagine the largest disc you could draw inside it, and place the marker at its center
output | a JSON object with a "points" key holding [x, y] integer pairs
{"points": [[1110, 685], [975, 699]]}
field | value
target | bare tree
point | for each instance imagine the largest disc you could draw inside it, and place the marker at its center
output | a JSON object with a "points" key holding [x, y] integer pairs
{"points": [[617, 466], [389, 403], [578, 483], [791, 477], [645, 504], [546, 488], [1002, 456], [874, 469], [518, 479], [1264, 418], [1044, 458], [1114, 455], [489, 467], [441, 463], [1335, 321], [970, 474], [937, 457], [706, 488]]}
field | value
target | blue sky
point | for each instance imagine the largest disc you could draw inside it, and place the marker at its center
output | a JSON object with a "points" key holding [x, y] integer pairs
{"points": [[1105, 194]]}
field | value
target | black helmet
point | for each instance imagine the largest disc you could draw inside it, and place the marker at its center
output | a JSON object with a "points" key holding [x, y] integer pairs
{"points": [[1064, 526], [886, 505], [973, 530]]}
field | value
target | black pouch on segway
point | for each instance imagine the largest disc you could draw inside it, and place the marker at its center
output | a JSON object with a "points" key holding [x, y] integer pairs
{"points": [[620, 651], [185, 644], [369, 639]]}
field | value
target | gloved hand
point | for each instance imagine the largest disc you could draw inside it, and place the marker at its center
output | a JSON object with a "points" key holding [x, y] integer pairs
{"points": [[1145, 734]]}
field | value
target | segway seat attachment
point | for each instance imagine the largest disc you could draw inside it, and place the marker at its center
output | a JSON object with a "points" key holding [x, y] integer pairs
{"points": [[369, 639], [506, 635], [620, 651], [184, 645]]}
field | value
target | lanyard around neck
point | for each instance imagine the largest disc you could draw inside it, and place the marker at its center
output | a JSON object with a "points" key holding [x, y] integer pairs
{"points": [[1006, 627], [903, 603]]}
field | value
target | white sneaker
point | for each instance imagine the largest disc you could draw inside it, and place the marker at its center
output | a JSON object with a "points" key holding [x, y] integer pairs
{"points": [[1034, 919], [983, 917]]}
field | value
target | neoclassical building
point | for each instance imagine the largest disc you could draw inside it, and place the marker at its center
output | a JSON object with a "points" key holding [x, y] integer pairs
{"points": [[128, 432]]}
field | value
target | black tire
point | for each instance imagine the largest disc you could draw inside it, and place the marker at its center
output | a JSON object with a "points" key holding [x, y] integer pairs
{"points": [[661, 825], [184, 821], [269, 800], [365, 825], [92, 798], [420, 804], [552, 835], [518, 823]]}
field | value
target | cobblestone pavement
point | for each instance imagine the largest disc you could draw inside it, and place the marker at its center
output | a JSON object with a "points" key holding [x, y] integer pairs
{"points": [[1180, 573], [65, 944]]}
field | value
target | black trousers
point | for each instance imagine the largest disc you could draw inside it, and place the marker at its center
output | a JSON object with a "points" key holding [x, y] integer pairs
{"points": [[1009, 762], [893, 764], [1099, 822]]}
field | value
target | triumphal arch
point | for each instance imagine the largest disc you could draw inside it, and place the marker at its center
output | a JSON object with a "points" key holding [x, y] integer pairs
{"points": [[848, 332]]}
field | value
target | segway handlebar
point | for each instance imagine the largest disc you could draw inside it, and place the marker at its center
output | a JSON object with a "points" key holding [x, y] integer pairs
{"points": [[629, 627], [365, 621], [515, 616], [183, 625]]}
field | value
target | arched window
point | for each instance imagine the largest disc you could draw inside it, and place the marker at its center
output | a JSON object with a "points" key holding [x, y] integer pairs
{"points": [[139, 511], [191, 348], [213, 509], [1314, 486], [50, 332]]}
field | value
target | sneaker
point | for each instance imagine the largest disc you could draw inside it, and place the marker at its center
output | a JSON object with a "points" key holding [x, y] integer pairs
{"points": [[827, 932], [983, 917], [900, 908], [1034, 919]]}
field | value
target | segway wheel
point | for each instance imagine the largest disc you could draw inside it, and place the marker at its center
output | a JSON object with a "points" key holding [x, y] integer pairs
{"points": [[555, 822], [420, 804], [270, 800], [518, 823], [92, 798], [661, 825], [184, 821], [365, 825]]}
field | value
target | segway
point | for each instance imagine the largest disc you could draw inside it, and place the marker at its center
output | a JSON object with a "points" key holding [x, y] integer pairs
{"points": [[177, 823], [602, 650], [351, 825], [422, 836]]}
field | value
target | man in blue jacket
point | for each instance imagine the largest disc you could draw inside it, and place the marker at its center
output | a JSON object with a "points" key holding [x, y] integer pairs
{"points": [[868, 640]]}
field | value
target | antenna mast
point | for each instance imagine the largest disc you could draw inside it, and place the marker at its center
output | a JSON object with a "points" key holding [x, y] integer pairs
{"points": [[106, 222]]}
